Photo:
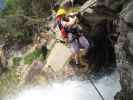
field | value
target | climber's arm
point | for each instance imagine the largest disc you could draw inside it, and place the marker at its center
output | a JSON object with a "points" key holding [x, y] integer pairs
{"points": [[71, 21]]}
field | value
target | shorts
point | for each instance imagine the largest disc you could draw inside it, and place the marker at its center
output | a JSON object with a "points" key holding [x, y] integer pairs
{"points": [[77, 44]]}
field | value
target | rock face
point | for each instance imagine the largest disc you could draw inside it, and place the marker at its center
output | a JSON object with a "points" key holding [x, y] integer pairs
{"points": [[127, 29], [91, 18], [71, 3], [111, 18], [67, 3], [80, 2], [125, 43], [126, 83], [113, 4], [99, 27], [3, 61]]}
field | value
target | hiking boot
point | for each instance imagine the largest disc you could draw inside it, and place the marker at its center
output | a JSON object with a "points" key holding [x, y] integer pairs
{"points": [[79, 65], [72, 62]]}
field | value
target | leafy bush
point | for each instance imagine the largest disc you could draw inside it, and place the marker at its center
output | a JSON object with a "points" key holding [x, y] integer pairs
{"points": [[39, 8], [8, 82], [16, 61], [33, 56]]}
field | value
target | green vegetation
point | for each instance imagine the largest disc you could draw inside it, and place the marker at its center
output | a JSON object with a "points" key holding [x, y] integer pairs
{"points": [[10, 8], [8, 82], [20, 19], [37, 54], [38, 8], [15, 28], [16, 61], [17, 19]]}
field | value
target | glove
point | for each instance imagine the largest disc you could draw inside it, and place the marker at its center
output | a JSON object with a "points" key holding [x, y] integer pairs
{"points": [[78, 14]]}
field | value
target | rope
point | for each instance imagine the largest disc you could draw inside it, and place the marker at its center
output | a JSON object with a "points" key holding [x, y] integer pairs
{"points": [[96, 89]]}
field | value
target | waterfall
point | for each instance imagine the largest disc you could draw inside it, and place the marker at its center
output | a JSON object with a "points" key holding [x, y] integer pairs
{"points": [[73, 89]]}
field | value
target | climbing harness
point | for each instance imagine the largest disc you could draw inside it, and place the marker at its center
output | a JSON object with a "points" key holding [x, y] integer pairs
{"points": [[59, 40]]}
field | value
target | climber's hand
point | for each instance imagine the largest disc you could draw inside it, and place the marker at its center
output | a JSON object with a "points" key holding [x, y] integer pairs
{"points": [[66, 40], [53, 30]]}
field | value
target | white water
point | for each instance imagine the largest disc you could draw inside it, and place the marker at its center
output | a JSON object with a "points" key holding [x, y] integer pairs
{"points": [[73, 90]]}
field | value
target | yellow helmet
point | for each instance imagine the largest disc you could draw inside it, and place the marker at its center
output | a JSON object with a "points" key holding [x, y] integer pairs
{"points": [[61, 12]]}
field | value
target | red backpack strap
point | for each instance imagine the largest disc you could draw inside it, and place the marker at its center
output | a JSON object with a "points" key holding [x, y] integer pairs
{"points": [[58, 20], [62, 29], [64, 33]]}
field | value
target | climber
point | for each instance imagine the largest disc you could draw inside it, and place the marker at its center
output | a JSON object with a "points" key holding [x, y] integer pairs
{"points": [[71, 33], [75, 37], [59, 18]]}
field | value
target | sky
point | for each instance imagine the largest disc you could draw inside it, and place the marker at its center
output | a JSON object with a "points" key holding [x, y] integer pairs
{"points": [[1, 4]]}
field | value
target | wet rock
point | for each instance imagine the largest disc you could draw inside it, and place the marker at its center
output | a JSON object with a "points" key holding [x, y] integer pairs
{"points": [[98, 29], [126, 28], [130, 43], [93, 13], [67, 3], [125, 51], [113, 4], [126, 83], [79, 2], [71, 3], [86, 6], [129, 16], [3, 61], [35, 69], [129, 22]]}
